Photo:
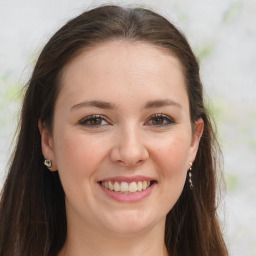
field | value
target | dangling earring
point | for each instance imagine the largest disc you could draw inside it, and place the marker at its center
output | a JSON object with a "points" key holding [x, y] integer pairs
{"points": [[48, 163], [190, 176]]}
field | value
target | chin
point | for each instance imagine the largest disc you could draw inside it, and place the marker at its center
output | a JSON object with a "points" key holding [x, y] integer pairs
{"points": [[128, 229], [130, 222]]}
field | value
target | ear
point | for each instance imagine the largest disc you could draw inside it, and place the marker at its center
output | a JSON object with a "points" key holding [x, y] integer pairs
{"points": [[197, 134], [47, 145]]}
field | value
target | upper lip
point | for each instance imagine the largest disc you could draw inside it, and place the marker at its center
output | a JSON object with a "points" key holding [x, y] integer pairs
{"points": [[128, 179]]}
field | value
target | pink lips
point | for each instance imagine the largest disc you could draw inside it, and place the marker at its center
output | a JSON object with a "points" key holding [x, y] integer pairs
{"points": [[133, 197]]}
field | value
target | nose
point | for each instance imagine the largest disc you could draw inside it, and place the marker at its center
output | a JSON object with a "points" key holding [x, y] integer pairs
{"points": [[129, 148]]}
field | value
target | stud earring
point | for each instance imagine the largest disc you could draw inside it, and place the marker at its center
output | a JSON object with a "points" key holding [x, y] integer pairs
{"points": [[48, 163], [190, 176]]}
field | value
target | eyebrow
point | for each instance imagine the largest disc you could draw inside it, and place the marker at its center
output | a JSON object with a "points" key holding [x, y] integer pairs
{"points": [[108, 105], [162, 103], [96, 104]]}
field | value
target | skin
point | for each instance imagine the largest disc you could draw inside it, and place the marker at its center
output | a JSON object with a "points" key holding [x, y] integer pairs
{"points": [[127, 141]]}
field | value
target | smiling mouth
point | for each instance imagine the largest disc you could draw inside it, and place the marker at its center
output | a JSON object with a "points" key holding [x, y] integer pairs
{"points": [[125, 187]]}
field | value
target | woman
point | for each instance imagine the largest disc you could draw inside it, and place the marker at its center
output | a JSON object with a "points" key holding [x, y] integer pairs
{"points": [[115, 153]]}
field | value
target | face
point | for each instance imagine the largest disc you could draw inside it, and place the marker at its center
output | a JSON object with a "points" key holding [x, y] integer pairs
{"points": [[122, 138]]}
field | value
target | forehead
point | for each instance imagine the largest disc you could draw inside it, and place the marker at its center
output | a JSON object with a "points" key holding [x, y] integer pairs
{"points": [[124, 67], [123, 51]]}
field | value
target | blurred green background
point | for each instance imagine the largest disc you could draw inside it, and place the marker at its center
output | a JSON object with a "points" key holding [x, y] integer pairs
{"points": [[222, 34]]}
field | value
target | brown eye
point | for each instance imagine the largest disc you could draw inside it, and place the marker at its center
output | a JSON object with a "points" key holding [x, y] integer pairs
{"points": [[160, 120], [157, 121], [93, 121]]}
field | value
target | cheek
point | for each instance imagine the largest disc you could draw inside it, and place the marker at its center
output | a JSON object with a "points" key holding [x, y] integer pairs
{"points": [[173, 158], [77, 156]]}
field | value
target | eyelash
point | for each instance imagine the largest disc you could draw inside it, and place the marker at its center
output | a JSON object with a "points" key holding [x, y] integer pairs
{"points": [[87, 119], [168, 120]]}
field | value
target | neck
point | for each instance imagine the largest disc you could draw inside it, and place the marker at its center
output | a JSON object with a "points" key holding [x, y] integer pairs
{"points": [[88, 241]]}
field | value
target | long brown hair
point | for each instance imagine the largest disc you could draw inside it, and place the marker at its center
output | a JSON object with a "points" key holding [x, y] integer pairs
{"points": [[32, 209]]}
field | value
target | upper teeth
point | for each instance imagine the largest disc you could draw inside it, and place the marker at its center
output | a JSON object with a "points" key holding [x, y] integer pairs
{"points": [[125, 187]]}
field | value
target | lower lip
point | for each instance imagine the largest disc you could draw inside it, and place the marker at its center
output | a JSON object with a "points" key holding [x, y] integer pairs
{"points": [[135, 197]]}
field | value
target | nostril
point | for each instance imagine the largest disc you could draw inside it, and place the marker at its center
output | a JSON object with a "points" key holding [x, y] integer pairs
{"points": [[129, 154]]}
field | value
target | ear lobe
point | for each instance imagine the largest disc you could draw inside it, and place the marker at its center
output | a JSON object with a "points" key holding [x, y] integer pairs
{"points": [[197, 134], [47, 145]]}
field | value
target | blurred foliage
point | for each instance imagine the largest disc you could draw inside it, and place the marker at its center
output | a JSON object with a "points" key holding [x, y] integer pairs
{"points": [[205, 50], [233, 181], [236, 129], [9, 88], [230, 116], [10, 97], [232, 11], [219, 111]]}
